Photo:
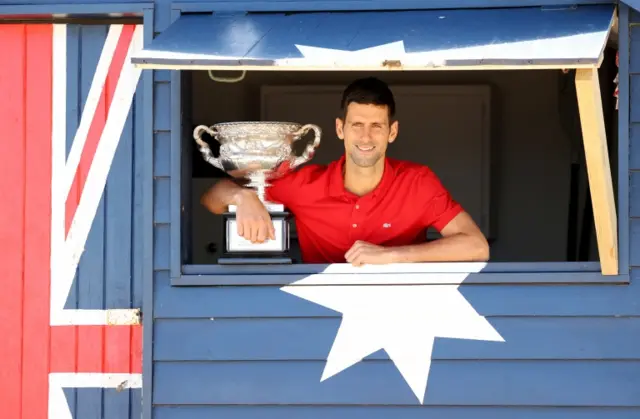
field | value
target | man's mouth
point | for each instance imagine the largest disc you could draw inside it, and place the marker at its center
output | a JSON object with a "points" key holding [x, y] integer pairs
{"points": [[365, 148]]}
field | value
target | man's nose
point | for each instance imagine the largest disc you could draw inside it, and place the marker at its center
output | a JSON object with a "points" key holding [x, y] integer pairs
{"points": [[366, 135]]}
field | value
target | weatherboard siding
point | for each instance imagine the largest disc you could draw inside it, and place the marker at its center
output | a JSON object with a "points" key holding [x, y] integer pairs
{"points": [[259, 352], [109, 274], [37, 346]]}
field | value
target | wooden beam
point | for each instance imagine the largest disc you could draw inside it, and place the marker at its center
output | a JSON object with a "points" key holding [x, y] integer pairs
{"points": [[598, 167]]}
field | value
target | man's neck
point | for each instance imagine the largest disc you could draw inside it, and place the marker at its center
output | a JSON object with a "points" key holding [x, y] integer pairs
{"points": [[362, 180]]}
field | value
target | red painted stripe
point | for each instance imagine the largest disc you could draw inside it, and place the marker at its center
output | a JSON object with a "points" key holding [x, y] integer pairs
{"points": [[136, 349], [12, 191], [117, 348], [37, 253], [63, 349], [90, 349], [98, 123], [95, 343]]}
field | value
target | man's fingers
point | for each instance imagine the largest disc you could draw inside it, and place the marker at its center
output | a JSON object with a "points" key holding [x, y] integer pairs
{"points": [[255, 230], [354, 254], [246, 231], [262, 232], [272, 230], [240, 228], [353, 248], [358, 260]]}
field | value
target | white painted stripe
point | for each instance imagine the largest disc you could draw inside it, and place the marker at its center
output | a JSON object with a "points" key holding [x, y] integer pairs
{"points": [[95, 380], [58, 406], [89, 109], [97, 176], [428, 279], [113, 317], [58, 141]]}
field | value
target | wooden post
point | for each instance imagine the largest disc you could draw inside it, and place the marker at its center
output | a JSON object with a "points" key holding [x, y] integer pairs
{"points": [[598, 167]]}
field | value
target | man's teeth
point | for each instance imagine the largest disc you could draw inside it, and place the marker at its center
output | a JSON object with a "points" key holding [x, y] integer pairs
{"points": [[363, 148]]}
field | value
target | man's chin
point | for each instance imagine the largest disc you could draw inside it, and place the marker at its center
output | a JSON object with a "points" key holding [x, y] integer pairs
{"points": [[364, 162]]}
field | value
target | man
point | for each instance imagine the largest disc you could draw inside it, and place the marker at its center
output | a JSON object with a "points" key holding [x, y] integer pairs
{"points": [[364, 208]]}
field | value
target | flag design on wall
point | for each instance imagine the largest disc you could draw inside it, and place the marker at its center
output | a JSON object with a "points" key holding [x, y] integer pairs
{"points": [[53, 193]]}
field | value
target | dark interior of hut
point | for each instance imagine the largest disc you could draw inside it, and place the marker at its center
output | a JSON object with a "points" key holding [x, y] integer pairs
{"points": [[506, 143]]}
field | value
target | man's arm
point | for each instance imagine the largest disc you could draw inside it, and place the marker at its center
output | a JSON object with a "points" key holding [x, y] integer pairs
{"points": [[253, 220], [223, 193], [462, 241]]}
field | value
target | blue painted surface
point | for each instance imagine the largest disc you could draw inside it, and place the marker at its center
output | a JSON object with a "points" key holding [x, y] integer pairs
{"points": [[109, 403], [504, 300], [569, 351], [458, 383], [98, 6], [563, 36], [110, 270], [385, 412], [299, 338], [147, 173]]}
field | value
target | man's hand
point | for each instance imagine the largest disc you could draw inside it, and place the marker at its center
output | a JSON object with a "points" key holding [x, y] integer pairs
{"points": [[362, 253], [253, 219]]}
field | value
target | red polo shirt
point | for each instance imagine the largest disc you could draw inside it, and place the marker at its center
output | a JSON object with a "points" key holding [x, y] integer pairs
{"points": [[329, 219]]}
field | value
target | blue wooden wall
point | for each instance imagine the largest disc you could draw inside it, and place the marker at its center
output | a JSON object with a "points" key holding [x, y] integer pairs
{"points": [[109, 274], [257, 352]]}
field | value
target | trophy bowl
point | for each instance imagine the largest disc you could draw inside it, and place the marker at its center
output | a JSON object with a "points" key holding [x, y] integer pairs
{"points": [[257, 150]]}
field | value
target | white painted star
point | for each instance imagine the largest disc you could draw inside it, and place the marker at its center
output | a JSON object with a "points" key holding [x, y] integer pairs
{"points": [[401, 319], [313, 56]]}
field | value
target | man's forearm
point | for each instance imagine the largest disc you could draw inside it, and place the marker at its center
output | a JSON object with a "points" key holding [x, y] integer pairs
{"points": [[455, 248], [225, 192]]}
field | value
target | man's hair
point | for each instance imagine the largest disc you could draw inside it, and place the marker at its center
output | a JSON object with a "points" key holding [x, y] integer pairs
{"points": [[368, 91]]}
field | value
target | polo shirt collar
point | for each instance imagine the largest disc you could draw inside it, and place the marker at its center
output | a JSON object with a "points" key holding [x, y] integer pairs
{"points": [[336, 180]]}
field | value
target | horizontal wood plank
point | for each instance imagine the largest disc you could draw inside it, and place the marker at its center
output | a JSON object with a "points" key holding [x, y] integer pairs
{"points": [[311, 339], [386, 412], [459, 383], [490, 300]]}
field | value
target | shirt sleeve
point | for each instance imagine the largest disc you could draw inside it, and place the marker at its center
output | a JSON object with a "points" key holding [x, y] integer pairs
{"points": [[286, 189], [440, 207]]}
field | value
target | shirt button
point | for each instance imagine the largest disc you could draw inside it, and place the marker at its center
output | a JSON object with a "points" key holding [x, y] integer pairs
{"points": [[357, 206], [355, 225]]}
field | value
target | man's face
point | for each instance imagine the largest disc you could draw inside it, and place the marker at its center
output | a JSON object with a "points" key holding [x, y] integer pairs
{"points": [[366, 132]]}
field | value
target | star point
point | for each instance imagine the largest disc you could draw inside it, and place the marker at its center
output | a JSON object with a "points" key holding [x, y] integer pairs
{"points": [[339, 57], [403, 320]]}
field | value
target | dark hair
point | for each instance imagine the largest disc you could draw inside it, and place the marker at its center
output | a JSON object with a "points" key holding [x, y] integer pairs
{"points": [[368, 91]]}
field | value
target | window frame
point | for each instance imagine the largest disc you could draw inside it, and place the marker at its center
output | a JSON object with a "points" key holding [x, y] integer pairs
{"points": [[413, 273]]}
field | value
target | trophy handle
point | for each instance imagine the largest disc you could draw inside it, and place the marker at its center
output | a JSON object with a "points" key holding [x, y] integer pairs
{"points": [[308, 152], [204, 147]]}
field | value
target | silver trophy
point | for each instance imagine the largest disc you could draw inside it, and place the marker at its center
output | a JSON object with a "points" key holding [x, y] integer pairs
{"points": [[258, 152]]}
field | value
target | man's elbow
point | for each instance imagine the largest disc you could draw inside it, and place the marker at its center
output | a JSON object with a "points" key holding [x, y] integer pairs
{"points": [[481, 248], [208, 201]]}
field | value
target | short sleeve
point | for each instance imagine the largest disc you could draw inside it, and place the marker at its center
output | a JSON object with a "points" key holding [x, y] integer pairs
{"points": [[285, 190], [439, 207]]}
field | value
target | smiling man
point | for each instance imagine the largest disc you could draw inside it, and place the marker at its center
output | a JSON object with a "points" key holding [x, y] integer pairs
{"points": [[364, 208]]}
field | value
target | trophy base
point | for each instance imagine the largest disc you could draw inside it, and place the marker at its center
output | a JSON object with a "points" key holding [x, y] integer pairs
{"points": [[240, 251]]}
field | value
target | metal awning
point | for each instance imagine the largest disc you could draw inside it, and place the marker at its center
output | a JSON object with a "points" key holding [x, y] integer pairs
{"points": [[529, 37]]}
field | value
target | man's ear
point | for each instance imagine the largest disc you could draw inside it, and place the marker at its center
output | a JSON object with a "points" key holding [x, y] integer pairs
{"points": [[340, 128], [393, 132]]}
